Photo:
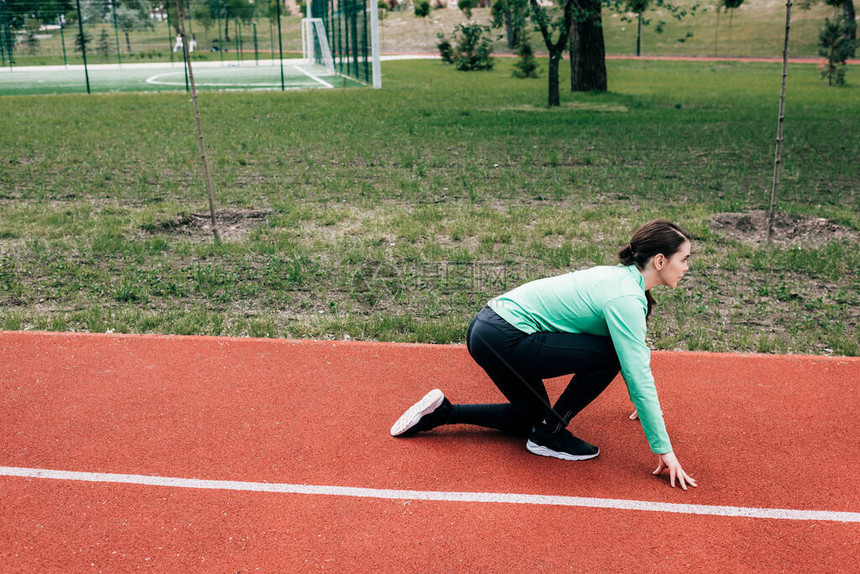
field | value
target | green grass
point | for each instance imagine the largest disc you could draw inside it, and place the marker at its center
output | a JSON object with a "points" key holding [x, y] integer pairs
{"points": [[757, 29], [395, 214]]}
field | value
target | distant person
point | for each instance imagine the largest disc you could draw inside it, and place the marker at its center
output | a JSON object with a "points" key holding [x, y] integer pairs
{"points": [[590, 322], [192, 44], [178, 45]]}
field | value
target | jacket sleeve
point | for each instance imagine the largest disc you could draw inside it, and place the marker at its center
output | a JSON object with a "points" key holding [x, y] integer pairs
{"points": [[625, 318]]}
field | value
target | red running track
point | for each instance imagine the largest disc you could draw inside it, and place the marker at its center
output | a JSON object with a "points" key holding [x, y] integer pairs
{"points": [[759, 432]]}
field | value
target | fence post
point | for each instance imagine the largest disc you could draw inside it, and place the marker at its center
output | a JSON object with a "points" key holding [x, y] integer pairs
{"points": [[63, 40], [6, 35], [237, 42], [280, 47], [169, 35], [83, 43], [116, 35], [256, 50], [220, 38]]}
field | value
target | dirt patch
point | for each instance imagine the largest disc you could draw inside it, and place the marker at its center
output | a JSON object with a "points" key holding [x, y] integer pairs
{"points": [[788, 230], [233, 224]]}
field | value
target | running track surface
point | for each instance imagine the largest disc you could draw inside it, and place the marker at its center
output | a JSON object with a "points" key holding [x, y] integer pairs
{"points": [[294, 435]]}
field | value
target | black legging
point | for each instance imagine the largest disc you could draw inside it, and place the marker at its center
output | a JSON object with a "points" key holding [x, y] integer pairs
{"points": [[517, 363]]}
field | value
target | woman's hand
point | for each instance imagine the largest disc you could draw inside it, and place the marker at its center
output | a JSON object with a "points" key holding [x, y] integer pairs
{"points": [[670, 461]]}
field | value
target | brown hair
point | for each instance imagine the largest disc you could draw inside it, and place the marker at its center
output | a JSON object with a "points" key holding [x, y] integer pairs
{"points": [[656, 236]]}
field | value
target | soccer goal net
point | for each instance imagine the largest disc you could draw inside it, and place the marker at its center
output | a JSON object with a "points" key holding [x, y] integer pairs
{"points": [[342, 35], [315, 46]]}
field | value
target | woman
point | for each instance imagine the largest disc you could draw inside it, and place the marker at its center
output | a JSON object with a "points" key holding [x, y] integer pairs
{"points": [[591, 323]]}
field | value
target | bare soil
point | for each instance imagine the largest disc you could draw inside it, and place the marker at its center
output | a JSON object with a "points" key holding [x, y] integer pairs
{"points": [[788, 230], [233, 224]]}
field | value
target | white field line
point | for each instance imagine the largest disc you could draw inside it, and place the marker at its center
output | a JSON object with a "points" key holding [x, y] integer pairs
{"points": [[158, 79], [440, 496], [311, 76]]}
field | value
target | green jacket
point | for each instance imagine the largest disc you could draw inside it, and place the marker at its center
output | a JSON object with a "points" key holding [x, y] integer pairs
{"points": [[606, 301]]}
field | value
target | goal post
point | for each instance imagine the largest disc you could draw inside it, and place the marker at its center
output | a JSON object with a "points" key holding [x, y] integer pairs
{"points": [[347, 33], [315, 46]]}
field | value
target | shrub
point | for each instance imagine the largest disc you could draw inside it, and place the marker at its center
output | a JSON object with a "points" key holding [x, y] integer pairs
{"points": [[445, 49], [526, 66], [834, 44], [422, 8], [467, 6], [473, 48]]}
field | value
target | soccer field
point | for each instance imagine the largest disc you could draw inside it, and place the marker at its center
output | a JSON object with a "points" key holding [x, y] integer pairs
{"points": [[262, 75]]}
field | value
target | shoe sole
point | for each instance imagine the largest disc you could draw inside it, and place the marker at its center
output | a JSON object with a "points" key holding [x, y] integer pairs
{"points": [[412, 416], [535, 448]]}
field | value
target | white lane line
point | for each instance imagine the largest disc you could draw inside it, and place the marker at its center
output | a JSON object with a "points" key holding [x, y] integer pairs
{"points": [[440, 496]]}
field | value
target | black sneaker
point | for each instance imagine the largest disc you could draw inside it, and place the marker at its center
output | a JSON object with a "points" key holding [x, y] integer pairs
{"points": [[430, 412], [561, 445]]}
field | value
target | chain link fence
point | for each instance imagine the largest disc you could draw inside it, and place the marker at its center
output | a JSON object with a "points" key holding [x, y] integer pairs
{"points": [[124, 34]]}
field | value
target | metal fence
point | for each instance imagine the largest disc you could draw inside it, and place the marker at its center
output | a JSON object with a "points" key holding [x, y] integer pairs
{"points": [[44, 32], [347, 24]]}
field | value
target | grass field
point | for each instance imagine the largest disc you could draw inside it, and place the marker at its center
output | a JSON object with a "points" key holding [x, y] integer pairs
{"points": [[395, 214], [754, 29]]}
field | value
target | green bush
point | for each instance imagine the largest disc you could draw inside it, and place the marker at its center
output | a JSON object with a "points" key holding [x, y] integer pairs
{"points": [[446, 50], [526, 66], [835, 45], [422, 8], [466, 6], [473, 48]]}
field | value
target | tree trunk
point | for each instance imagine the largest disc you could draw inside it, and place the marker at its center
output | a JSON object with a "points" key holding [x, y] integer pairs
{"points": [[850, 16], [716, 30], [511, 31], [554, 59], [556, 49], [587, 50], [226, 30], [731, 16], [127, 42]]}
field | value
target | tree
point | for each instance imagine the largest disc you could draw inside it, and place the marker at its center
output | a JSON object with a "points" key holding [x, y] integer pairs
{"points": [[33, 27], [466, 6], [228, 10], [512, 14], [103, 45], [526, 66], [82, 41], [422, 10], [95, 10], [730, 6], [779, 129], [472, 50], [833, 45], [849, 19], [17, 12], [133, 15], [587, 50], [555, 31], [638, 7]]}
